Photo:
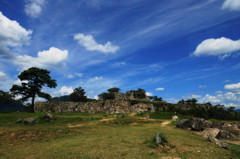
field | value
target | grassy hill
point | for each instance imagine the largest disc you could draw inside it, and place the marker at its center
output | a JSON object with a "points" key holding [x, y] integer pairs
{"points": [[81, 135]]}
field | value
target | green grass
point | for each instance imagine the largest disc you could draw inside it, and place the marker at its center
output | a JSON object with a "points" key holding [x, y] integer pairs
{"points": [[93, 138]]}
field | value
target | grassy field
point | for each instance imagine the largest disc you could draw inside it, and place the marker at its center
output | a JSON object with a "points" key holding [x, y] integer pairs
{"points": [[81, 135]]}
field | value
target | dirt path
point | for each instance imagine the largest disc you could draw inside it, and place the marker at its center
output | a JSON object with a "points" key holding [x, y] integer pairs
{"points": [[165, 123]]}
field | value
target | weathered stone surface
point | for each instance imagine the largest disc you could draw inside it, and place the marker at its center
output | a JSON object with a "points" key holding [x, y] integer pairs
{"points": [[225, 134], [183, 124], [218, 125], [196, 124], [211, 132], [226, 130], [218, 142], [109, 107]]}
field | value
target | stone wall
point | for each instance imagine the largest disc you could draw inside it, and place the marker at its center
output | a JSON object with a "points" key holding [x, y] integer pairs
{"points": [[109, 106]]}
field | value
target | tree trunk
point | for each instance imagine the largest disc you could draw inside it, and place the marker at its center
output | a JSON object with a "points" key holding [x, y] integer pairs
{"points": [[32, 105]]}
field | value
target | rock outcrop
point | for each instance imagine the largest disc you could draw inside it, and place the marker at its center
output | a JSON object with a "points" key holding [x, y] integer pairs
{"points": [[220, 129]]}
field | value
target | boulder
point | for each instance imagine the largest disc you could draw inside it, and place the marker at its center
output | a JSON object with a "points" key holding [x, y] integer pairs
{"points": [[225, 134], [196, 124], [175, 117], [48, 117], [184, 124], [206, 124], [217, 142], [218, 125], [211, 132], [29, 121], [160, 139]]}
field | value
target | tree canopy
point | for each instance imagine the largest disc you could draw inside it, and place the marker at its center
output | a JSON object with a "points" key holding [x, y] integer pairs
{"points": [[32, 81], [78, 95]]}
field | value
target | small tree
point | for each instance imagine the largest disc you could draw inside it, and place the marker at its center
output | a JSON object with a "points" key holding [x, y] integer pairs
{"points": [[78, 95], [106, 96], [33, 80], [114, 90]]}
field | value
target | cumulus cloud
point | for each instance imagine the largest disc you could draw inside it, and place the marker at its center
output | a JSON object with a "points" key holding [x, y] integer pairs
{"points": [[233, 87], [159, 89], [53, 57], [222, 47], [11, 35], [209, 98], [90, 44], [33, 8], [149, 94], [64, 90], [226, 98], [233, 5]]}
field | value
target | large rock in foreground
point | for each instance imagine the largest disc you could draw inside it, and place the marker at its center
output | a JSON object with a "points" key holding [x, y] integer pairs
{"points": [[211, 132]]}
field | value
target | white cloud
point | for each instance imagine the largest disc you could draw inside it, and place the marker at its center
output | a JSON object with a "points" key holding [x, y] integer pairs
{"points": [[209, 98], [226, 98], [2, 74], [97, 78], [231, 5], [79, 74], [149, 94], [96, 97], [64, 90], [218, 92], [33, 8], [159, 89], [233, 87], [222, 47], [172, 100], [19, 82], [53, 57], [202, 86], [70, 76], [11, 35], [90, 44]]}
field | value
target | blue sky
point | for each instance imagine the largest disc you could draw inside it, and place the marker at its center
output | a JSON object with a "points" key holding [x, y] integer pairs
{"points": [[172, 49]]}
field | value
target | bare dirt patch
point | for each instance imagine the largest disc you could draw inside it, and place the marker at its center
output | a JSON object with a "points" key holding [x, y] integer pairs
{"points": [[73, 126], [134, 124], [165, 123], [107, 119]]}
